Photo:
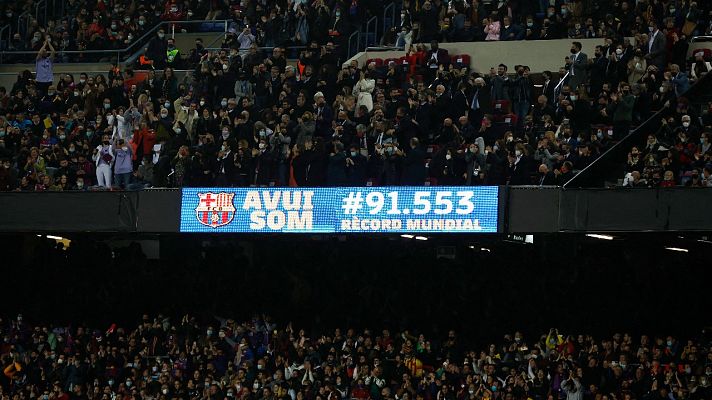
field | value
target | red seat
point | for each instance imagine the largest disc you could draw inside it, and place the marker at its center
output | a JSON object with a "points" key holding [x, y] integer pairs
{"points": [[377, 61], [463, 59], [501, 106], [707, 53]]}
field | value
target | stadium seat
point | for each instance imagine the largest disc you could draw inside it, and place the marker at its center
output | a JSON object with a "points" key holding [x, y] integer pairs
{"points": [[463, 59], [377, 61], [501, 106]]}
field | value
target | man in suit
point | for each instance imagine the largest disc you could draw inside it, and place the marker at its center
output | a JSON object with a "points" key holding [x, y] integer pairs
{"points": [[436, 57], [479, 103], [657, 43], [500, 83], [510, 31], [546, 177], [578, 66], [460, 102], [548, 87], [323, 115], [518, 170], [414, 171], [597, 70], [565, 173], [680, 81]]}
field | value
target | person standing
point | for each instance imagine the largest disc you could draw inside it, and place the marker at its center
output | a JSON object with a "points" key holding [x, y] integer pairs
{"points": [[578, 66], [104, 159], [123, 168], [44, 67], [657, 47]]}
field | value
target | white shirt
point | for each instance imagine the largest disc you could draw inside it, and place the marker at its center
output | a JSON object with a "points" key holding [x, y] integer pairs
{"points": [[651, 40], [573, 60]]}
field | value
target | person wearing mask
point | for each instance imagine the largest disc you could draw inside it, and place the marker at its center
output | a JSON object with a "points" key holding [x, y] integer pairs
{"points": [[123, 166], [143, 175], [637, 67], [157, 50], [356, 167], [621, 108], [680, 81], [104, 159], [414, 171], [578, 66], [657, 46]]}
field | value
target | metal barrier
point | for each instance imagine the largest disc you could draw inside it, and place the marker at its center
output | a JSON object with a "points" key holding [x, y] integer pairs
{"points": [[372, 22], [211, 44], [557, 88], [127, 53], [5, 30], [353, 50], [23, 23], [392, 9], [609, 165], [41, 4]]}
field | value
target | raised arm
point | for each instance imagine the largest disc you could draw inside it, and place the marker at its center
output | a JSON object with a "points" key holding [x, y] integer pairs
{"points": [[51, 48], [39, 53]]}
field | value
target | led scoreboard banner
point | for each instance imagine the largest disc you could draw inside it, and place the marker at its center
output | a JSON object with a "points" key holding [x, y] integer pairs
{"points": [[341, 210]]}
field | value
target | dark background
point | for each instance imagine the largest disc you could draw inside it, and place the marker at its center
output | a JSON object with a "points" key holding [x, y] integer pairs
{"points": [[568, 281]]}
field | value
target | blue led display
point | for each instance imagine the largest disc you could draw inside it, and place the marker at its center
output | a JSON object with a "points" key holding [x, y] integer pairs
{"points": [[341, 210]]}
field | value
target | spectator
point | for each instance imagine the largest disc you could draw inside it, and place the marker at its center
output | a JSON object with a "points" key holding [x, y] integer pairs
{"points": [[104, 158], [44, 67], [123, 166], [492, 28]]}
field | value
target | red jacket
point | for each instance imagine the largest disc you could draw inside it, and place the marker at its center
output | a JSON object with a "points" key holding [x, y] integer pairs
{"points": [[146, 138]]}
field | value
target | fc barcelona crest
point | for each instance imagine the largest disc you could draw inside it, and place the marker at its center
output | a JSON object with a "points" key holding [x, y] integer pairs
{"points": [[215, 209]]}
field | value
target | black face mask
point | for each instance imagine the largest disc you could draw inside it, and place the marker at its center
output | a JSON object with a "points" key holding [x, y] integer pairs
{"points": [[105, 142]]}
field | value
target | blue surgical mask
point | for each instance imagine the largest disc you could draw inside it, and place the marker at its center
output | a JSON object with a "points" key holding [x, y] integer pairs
{"points": [[353, 153]]}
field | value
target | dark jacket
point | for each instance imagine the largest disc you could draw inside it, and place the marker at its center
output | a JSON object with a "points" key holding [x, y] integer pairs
{"points": [[414, 171]]}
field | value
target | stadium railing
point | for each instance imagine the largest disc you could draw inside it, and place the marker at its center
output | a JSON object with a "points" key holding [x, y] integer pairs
{"points": [[134, 49], [609, 166]]}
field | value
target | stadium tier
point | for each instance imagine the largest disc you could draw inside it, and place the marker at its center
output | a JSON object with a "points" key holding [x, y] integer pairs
{"points": [[285, 101]]}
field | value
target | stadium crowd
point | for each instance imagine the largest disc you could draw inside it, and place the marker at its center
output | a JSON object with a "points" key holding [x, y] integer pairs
{"points": [[218, 358], [241, 117]]}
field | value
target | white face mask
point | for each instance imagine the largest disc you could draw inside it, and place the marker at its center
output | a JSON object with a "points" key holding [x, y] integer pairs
{"points": [[517, 153], [263, 146], [686, 124], [573, 97], [125, 148], [662, 89], [448, 156], [619, 51]]}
